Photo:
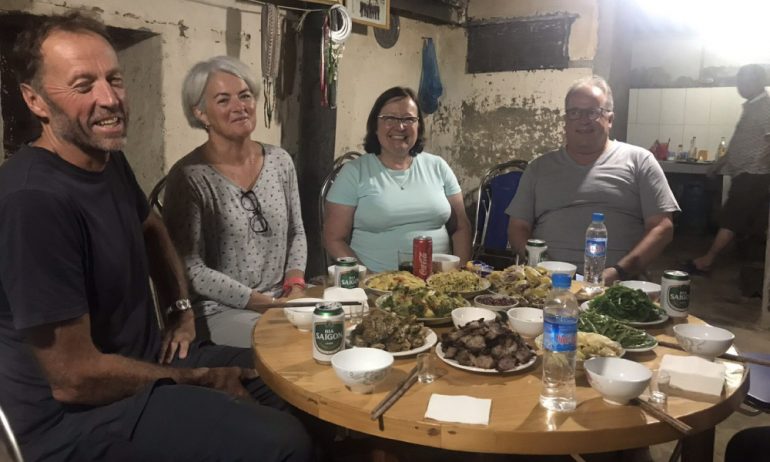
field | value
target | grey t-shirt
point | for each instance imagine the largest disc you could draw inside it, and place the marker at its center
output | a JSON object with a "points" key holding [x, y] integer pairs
{"points": [[224, 257], [557, 196]]}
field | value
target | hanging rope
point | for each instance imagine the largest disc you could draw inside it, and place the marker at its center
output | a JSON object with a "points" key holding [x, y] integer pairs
{"points": [[272, 34], [335, 31]]}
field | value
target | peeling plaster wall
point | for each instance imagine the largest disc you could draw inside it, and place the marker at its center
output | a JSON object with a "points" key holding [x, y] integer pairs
{"points": [[188, 31]]}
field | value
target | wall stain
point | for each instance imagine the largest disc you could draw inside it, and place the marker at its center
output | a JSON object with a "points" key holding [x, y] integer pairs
{"points": [[182, 28]]}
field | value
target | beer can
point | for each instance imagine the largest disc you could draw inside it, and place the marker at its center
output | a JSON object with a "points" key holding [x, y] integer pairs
{"points": [[535, 250], [422, 256], [328, 331], [346, 273], [675, 293]]}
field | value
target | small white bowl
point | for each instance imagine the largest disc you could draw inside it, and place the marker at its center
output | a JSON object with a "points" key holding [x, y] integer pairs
{"points": [[361, 369], [464, 315], [506, 302], [561, 267], [302, 316], [526, 320], [650, 288], [443, 262], [618, 380], [703, 340], [361, 272]]}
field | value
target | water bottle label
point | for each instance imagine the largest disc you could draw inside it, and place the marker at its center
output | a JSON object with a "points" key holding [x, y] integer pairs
{"points": [[596, 247], [560, 337]]}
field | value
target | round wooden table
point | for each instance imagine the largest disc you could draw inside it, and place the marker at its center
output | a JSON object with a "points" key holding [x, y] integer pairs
{"points": [[517, 425]]}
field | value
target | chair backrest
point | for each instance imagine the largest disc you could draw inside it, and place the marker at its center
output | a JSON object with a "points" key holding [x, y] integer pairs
{"points": [[8, 440], [327, 184], [496, 190], [156, 195]]}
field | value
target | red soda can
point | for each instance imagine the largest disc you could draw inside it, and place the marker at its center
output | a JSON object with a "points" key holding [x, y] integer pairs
{"points": [[422, 256]]}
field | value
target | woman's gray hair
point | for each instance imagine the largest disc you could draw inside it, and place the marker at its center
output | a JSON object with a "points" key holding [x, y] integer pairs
{"points": [[593, 81], [198, 76]]}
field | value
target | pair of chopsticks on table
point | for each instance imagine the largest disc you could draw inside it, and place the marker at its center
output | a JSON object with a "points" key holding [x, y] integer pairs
{"points": [[394, 394], [662, 415], [728, 356], [301, 304]]}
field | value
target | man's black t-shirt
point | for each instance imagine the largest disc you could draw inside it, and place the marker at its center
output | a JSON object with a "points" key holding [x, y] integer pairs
{"points": [[71, 244]]}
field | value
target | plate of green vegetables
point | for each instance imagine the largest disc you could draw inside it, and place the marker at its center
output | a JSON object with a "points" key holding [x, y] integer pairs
{"points": [[633, 340], [630, 306]]}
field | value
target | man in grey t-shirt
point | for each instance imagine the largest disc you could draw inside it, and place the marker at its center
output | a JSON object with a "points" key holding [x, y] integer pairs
{"points": [[560, 190]]}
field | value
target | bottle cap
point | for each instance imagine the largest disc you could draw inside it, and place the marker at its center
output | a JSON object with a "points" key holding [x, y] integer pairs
{"points": [[561, 280], [597, 216]]}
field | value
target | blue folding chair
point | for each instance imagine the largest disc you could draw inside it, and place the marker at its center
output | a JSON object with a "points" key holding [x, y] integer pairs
{"points": [[497, 188]]}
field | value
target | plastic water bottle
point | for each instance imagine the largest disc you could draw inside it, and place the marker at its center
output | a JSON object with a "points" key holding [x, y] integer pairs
{"points": [[596, 251], [560, 316]]}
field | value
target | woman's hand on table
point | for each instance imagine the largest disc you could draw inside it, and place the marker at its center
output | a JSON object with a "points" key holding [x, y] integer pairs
{"points": [[179, 333]]}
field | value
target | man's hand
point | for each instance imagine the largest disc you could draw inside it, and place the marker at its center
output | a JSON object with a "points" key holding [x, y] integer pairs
{"points": [[179, 333], [610, 276], [227, 379]]}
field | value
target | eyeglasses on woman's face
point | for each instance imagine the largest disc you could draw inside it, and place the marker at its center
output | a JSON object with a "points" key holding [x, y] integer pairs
{"points": [[392, 121], [257, 221], [591, 114]]}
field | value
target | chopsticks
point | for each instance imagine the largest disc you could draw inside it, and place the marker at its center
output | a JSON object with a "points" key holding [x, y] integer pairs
{"points": [[394, 395], [300, 304], [728, 356], [663, 416]]}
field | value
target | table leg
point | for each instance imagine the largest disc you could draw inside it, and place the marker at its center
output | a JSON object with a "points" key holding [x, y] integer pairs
{"points": [[699, 447]]}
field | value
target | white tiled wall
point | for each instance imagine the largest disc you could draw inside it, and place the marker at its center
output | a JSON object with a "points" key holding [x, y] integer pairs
{"points": [[681, 113]]}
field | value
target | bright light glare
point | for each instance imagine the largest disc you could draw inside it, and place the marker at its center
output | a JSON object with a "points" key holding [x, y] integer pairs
{"points": [[737, 28]]}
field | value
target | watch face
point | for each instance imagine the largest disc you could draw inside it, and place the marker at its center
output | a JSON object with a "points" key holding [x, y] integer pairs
{"points": [[183, 305]]}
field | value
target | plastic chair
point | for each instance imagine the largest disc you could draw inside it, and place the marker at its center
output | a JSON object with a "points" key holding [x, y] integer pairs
{"points": [[9, 441], [327, 184], [758, 396], [155, 196], [496, 190]]}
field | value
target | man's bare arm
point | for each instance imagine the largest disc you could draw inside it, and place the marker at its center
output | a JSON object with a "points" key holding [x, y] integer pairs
{"points": [[518, 233], [659, 231], [80, 374]]}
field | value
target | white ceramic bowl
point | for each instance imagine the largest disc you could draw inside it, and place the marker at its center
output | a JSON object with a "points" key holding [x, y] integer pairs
{"points": [[703, 340], [443, 262], [464, 315], [558, 267], [526, 320], [506, 302], [618, 380], [302, 317], [361, 369], [650, 288], [361, 272]]}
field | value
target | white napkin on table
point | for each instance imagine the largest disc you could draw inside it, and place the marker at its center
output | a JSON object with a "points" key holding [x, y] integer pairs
{"points": [[460, 409]]}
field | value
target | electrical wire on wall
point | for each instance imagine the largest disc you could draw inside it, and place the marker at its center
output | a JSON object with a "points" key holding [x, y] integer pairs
{"points": [[336, 30]]}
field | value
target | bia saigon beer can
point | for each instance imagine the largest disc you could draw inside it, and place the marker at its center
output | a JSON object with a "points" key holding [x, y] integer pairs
{"points": [[346, 273], [328, 331], [675, 293], [422, 256], [535, 250]]}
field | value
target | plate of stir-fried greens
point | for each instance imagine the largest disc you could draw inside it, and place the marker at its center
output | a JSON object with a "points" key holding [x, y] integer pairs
{"points": [[633, 340], [630, 306]]}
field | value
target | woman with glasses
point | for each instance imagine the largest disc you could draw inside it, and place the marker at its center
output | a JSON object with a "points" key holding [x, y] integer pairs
{"points": [[382, 200], [232, 207]]}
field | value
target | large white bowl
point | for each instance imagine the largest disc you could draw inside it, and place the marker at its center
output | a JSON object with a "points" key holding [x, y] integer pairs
{"points": [[443, 262], [703, 340], [361, 369], [561, 267], [361, 272], [650, 288], [618, 380], [302, 317], [464, 315], [526, 320]]}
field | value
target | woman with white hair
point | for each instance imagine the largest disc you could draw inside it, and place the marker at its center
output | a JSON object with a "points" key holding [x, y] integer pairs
{"points": [[232, 207]]}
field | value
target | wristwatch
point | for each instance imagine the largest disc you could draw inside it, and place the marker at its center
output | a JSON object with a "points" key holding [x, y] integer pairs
{"points": [[181, 305]]}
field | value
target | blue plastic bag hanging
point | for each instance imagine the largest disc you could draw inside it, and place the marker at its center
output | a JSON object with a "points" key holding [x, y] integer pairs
{"points": [[430, 81]]}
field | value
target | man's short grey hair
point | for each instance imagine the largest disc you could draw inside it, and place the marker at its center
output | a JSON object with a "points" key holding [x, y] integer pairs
{"points": [[593, 81], [198, 76], [755, 73]]}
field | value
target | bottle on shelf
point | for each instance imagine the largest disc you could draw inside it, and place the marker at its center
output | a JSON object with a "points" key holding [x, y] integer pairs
{"points": [[678, 153], [722, 149], [560, 316], [596, 252], [693, 153]]}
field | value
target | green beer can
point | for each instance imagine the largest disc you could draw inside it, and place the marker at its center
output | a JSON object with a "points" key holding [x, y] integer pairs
{"points": [[328, 331], [675, 293]]}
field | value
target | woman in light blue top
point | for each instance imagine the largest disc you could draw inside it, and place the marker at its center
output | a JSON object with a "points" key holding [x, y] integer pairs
{"points": [[382, 200]]}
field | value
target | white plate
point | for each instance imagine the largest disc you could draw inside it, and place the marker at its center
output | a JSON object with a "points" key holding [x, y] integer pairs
{"points": [[642, 350], [663, 318], [453, 363], [430, 340], [578, 362]]}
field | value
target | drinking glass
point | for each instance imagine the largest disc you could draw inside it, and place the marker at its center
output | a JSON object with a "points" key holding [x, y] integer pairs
{"points": [[405, 260], [426, 369]]}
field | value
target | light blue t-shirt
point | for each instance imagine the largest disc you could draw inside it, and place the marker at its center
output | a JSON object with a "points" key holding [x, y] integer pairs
{"points": [[394, 206]]}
